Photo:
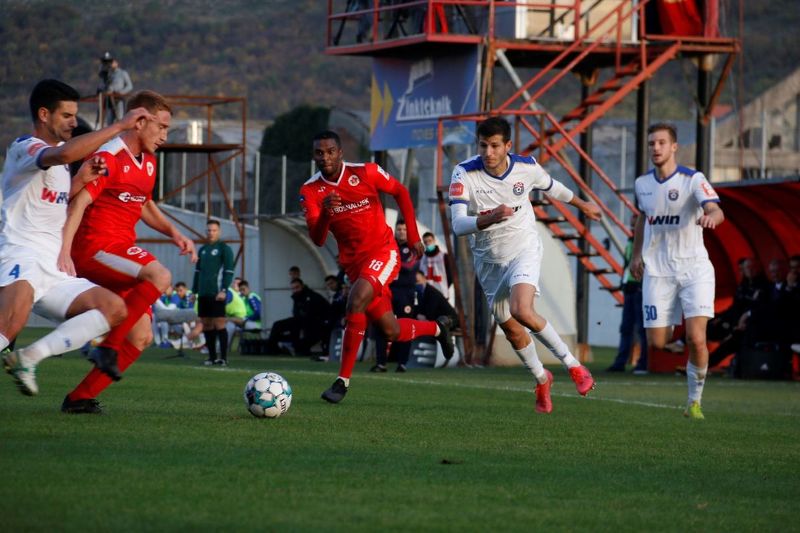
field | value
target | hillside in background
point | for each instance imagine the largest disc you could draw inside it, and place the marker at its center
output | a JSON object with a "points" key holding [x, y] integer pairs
{"points": [[271, 52]]}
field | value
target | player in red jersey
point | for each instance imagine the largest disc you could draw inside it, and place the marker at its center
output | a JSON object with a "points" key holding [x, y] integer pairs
{"points": [[343, 198], [100, 245]]}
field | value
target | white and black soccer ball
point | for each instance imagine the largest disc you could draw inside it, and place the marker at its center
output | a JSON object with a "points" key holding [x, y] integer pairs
{"points": [[267, 395]]}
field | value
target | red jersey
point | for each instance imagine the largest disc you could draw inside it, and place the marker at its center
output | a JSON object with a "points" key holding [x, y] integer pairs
{"points": [[358, 225], [117, 198]]}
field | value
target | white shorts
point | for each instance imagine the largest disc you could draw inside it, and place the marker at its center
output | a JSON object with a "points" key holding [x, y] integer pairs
{"points": [[53, 290], [497, 279], [664, 298]]}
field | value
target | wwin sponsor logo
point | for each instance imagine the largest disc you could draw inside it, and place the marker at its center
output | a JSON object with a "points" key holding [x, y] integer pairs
{"points": [[55, 197], [662, 220]]}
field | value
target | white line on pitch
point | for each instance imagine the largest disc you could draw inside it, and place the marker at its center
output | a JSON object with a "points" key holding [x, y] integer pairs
{"points": [[461, 385]]}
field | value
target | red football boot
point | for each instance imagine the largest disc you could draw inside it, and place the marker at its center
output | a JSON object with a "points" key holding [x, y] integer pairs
{"points": [[543, 402], [583, 379]]}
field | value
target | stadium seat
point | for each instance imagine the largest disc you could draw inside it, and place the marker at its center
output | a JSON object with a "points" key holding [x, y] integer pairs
{"points": [[250, 341]]}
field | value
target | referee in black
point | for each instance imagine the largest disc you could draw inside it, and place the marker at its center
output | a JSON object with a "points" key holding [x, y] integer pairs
{"points": [[213, 257]]}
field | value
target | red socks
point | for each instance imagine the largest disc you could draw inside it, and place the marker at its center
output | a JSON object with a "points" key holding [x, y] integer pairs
{"points": [[411, 329], [138, 301], [353, 335], [96, 382]]}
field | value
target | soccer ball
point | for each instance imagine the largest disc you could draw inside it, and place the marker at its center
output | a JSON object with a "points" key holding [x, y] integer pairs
{"points": [[267, 395]]}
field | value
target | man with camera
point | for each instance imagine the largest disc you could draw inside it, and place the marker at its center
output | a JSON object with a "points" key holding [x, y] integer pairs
{"points": [[115, 83]]}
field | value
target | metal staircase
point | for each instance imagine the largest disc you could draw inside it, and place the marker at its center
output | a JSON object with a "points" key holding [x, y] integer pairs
{"points": [[604, 37]]}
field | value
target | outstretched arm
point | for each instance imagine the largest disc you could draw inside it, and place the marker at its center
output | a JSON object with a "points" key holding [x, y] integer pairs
{"points": [[712, 216], [590, 209], [75, 211], [81, 146], [558, 191], [153, 217]]}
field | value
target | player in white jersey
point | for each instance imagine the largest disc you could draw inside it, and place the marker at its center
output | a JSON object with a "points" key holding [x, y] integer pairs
{"points": [[668, 252], [36, 187], [489, 199]]}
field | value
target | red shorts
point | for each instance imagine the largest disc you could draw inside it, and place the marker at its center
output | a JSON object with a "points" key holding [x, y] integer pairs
{"points": [[379, 268], [115, 267]]}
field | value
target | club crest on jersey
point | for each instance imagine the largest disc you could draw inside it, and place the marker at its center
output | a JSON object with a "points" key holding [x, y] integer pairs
{"points": [[353, 180], [519, 188], [150, 168], [214, 252], [672, 194]]}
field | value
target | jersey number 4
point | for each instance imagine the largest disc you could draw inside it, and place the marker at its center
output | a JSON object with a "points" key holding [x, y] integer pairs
{"points": [[14, 272]]}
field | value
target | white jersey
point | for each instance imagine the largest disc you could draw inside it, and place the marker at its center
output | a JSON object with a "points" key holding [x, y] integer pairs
{"points": [[435, 270], [673, 241], [35, 199], [471, 184]]}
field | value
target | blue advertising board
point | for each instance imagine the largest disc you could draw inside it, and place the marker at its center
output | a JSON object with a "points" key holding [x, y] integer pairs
{"points": [[409, 95]]}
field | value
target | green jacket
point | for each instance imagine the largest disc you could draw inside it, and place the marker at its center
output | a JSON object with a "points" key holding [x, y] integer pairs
{"points": [[212, 258]]}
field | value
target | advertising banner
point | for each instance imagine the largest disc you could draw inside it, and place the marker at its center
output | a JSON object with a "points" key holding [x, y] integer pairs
{"points": [[409, 95]]}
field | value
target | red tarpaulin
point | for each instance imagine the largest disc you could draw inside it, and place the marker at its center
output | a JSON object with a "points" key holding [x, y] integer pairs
{"points": [[761, 221], [680, 17]]}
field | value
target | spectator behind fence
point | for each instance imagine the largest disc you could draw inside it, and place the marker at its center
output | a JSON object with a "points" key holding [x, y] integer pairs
{"points": [[253, 303], [435, 266], [632, 324], [115, 83], [402, 303], [308, 325], [185, 297], [235, 312], [729, 326], [770, 319], [793, 298], [168, 314], [338, 300], [186, 300], [431, 303]]}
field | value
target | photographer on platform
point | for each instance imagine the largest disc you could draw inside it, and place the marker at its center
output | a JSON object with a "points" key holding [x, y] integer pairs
{"points": [[115, 83]]}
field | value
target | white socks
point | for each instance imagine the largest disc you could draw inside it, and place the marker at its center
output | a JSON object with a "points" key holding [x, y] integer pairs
{"points": [[69, 335], [346, 381], [696, 379], [553, 342], [531, 360], [3, 342]]}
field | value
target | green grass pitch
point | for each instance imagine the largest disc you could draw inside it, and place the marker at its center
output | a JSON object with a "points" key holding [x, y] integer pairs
{"points": [[453, 450]]}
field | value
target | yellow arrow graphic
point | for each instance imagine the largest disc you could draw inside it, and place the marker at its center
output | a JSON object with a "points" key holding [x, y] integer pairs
{"points": [[387, 102], [376, 105]]}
